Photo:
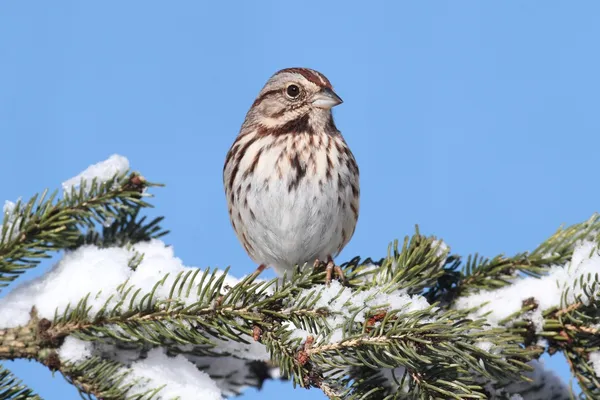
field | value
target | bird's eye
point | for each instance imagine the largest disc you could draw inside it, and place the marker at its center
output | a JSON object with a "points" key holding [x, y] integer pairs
{"points": [[293, 91]]}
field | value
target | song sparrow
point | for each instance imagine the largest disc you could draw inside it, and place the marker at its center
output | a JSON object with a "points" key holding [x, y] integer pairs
{"points": [[291, 182]]}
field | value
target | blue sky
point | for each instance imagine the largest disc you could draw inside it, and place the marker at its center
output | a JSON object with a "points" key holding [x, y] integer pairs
{"points": [[476, 120]]}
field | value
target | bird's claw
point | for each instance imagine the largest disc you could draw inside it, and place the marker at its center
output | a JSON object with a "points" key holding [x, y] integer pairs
{"points": [[331, 269], [258, 271]]}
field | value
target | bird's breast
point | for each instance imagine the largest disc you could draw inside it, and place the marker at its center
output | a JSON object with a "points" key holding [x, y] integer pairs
{"points": [[292, 197]]}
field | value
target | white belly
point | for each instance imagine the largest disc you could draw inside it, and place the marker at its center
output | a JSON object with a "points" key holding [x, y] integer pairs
{"points": [[288, 229]]}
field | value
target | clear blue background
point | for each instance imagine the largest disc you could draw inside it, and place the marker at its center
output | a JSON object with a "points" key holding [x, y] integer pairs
{"points": [[478, 121]]}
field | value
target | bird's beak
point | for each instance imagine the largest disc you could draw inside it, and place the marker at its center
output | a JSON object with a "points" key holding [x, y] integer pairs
{"points": [[326, 99]]}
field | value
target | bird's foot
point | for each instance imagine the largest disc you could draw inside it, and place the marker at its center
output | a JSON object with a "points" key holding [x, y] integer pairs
{"points": [[258, 271], [330, 269]]}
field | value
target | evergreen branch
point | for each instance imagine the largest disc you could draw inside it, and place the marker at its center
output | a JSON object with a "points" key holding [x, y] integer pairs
{"points": [[415, 266], [33, 229], [103, 379], [558, 249], [12, 388], [480, 273], [401, 339], [18, 342], [441, 357], [573, 327], [171, 322], [29, 342], [126, 229], [576, 331], [434, 351]]}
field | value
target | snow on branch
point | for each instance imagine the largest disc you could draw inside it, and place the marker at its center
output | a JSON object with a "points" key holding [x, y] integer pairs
{"points": [[102, 172], [32, 229], [546, 292], [120, 316]]}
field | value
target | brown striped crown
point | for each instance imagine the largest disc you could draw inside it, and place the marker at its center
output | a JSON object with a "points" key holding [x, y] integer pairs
{"points": [[310, 74]]}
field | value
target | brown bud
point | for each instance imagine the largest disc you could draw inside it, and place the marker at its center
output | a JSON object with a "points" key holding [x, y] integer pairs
{"points": [[44, 324], [529, 302], [566, 336], [375, 318], [52, 361], [309, 342], [302, 357], [136, 183], [256, 333]]}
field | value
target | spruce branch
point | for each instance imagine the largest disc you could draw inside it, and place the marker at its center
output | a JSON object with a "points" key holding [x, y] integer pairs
{"points": [[402, 339], [395, 331], [414, 266], [12, 388], [31, 230], [104, 379], [480, 273], [127, 228]]}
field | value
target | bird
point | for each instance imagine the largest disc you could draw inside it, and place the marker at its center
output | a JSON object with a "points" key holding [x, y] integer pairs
{"points": [[291, 181]]}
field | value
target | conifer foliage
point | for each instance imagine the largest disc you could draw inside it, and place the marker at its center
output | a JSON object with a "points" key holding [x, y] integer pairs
{"points": [[120, 317]]}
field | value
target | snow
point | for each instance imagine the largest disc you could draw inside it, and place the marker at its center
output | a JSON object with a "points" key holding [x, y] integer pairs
{"points": [[595, 361], [181, 378], [485, 345], [343, 299], [9, 207], [102, 272], [252, 351], [546, 291], [86, 270], [105, 271], [441, 247], [105, 274], [11, 219], [75, 350], [230, 373], [99, 272], [344, 302], [545, 385], [102, 171], [393, 378]]}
